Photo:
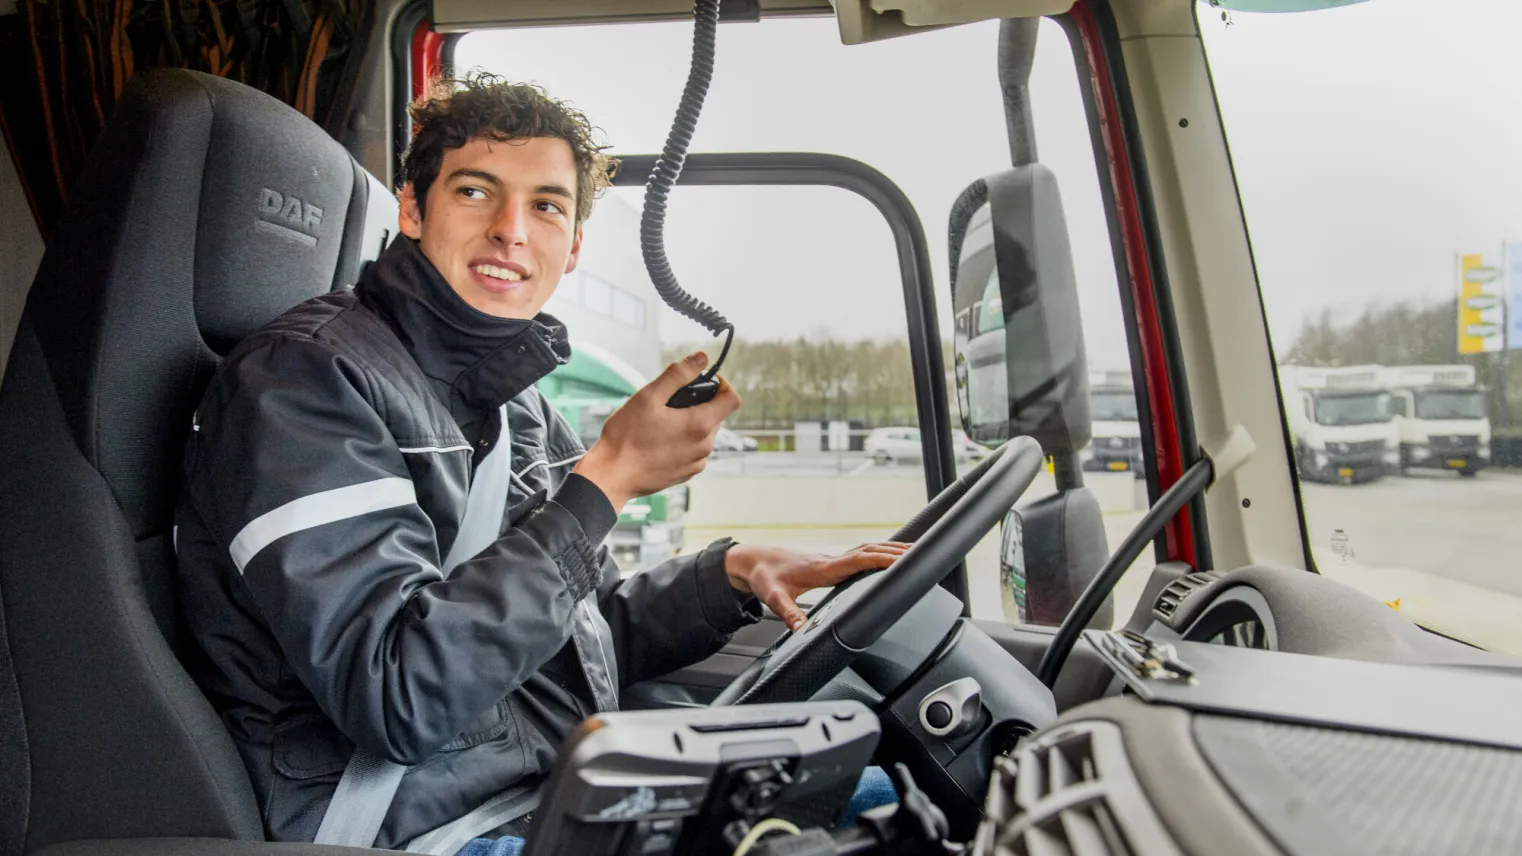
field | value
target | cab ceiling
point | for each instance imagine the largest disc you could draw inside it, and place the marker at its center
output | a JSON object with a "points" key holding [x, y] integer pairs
{"points": [[458, 15], [862, 20]]}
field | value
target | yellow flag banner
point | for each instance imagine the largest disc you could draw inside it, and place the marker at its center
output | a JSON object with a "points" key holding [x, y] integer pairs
{"points": [[1482, 328]]}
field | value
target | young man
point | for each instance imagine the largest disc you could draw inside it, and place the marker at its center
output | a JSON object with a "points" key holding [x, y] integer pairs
{"points": [[389, 543]]}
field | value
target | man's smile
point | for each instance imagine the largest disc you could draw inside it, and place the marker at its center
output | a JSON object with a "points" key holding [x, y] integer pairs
{"points": [[499, 276]]}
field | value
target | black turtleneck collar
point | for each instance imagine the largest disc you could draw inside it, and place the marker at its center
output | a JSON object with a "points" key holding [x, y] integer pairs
{"points": [[481, 360]]}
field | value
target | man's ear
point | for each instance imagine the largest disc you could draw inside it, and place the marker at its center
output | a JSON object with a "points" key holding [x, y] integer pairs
{"points": [[411, 216], [570, 263]]}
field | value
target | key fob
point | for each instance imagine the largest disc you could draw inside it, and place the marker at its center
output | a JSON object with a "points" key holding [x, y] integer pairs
{"points": [[695, 393]]}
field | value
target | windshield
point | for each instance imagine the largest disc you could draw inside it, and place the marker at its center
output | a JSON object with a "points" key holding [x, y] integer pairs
{"points": [[1112, 407], [811, 276], [1353, 409], [1375, 152], [1450, 404]]}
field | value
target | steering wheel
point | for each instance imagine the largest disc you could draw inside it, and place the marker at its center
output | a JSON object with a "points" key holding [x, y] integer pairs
{"points": [[862, 609]]}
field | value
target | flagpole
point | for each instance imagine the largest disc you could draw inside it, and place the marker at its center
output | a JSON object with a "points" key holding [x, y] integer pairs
{"points": [[1506, 345]]}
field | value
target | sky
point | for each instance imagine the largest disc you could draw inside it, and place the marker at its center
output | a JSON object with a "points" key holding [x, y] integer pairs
{"points": [[1371, 143]]}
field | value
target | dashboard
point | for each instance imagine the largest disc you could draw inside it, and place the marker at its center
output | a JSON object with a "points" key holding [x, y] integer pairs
{"points": [[1273, 711], [1293, 611]]}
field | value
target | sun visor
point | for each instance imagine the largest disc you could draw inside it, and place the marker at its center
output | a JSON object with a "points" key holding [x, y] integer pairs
{"points": [[465, 15], [860, 20], [874, 20]]}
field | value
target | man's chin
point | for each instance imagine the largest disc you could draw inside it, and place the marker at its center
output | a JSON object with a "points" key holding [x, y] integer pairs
{"points": [[501, 306], [508, 312]]}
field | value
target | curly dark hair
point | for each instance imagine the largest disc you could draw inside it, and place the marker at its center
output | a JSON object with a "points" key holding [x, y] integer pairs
{"points": [[454, 112]]}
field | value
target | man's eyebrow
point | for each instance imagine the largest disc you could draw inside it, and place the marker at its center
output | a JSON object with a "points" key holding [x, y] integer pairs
{"points": [[489, 178], [479, 175]]}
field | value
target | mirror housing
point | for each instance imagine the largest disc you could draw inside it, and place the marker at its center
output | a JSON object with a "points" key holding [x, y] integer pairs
{"points": [[1050, 550], [1019, 353]]}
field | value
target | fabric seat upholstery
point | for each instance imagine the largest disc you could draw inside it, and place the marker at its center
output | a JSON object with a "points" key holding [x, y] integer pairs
{"points": [[207, 208]]}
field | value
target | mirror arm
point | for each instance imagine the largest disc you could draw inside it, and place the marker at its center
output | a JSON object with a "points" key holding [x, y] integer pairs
{"points": [[1067, 470], [1017, 54]]}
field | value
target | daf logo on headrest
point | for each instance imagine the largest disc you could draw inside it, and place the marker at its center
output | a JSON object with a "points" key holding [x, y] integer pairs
{"points": [[289, 214]]}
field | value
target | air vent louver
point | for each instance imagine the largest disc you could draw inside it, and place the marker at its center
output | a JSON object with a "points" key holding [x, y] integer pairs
{"points": [[1054, 766], [1069, 792], [1084, 828], [1178, 591]]}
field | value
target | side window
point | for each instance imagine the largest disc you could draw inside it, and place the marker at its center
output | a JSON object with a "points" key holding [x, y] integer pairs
{"points": [[597, 295], [991, 307], [627, 309], [1381, 303]]}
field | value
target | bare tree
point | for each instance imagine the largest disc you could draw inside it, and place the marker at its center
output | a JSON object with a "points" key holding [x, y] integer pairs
{"points": [[819, 377]]}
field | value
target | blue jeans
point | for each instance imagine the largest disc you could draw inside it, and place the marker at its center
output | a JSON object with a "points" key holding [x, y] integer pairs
{"points": [[875, 789]]}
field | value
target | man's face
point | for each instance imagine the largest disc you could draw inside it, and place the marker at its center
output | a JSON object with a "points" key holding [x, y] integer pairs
{"points": [[500, 223]]}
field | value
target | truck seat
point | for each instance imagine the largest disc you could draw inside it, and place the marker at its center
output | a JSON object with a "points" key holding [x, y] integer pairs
{"points": [[205, 210]]}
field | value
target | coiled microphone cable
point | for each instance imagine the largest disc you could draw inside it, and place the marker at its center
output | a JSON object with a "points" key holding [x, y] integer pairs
{"points": [[652, 225]]}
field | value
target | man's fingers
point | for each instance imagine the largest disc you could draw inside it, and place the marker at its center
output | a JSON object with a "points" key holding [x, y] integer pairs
{"points": [[727, 398], [678, 375], [852, 563], [900, 546], [895, 552], [781, 603], [879, 560], [878, 550]]}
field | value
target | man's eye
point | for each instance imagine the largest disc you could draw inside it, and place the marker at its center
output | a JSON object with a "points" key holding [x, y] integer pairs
{"points": [[472, 193], [552, 207]]}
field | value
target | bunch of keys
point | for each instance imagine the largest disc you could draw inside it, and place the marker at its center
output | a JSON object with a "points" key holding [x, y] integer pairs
{"points": [[1147, 658]]}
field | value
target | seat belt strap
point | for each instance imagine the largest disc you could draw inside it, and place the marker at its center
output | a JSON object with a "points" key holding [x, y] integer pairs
{"points": [[506, 807], [360, 803], [369, 782]]}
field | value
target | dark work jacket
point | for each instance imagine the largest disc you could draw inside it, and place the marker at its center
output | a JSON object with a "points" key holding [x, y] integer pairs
{"points": [[323, 485]]}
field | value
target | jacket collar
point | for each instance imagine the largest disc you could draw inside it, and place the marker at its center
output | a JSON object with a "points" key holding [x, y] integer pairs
{"points": [[483, 361]]}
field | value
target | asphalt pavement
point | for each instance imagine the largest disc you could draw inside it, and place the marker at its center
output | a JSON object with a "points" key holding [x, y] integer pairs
{"points": [[1438, 524], [1467, 529]]}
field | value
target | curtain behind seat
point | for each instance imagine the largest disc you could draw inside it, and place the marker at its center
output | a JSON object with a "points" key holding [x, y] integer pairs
{"points": [[64, 64]]}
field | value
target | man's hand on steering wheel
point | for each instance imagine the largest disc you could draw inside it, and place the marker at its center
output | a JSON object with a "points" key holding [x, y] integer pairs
{"points": [[777, 576]]}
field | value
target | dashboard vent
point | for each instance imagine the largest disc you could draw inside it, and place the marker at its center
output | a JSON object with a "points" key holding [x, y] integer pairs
{"points": [[1054, 767], [1178, 591], [1082, 826], [1069, 792], [1087, 830]]}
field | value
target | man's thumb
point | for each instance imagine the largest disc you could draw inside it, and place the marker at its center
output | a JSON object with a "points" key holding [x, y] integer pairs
{"points": [[679, 374], [789, 612]]}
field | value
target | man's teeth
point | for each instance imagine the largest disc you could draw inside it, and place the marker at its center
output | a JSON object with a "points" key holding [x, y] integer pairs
{"points": [[498, 273]]}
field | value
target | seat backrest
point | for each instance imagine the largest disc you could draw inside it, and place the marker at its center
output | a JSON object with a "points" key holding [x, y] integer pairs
{"points": [[207, 209]]}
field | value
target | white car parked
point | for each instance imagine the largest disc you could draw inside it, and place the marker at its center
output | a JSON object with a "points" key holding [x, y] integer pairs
{"points": [[902, 444], [729, 441]]}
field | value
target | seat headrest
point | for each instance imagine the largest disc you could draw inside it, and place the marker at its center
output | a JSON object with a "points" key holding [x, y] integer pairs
{"points": [[280, 207], [206, 209]]}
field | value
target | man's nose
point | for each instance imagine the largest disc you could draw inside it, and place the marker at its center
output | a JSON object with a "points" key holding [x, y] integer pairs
{"points": [[510, 227]]}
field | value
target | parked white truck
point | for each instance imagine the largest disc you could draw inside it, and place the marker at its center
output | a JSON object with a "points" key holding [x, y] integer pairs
{"points": [[1441, 417], [1116, 443], [1340, 422]]}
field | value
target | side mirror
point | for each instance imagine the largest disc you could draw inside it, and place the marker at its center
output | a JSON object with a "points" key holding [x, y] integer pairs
{"points": [[1051, 548], [1012, 576], [1019, 355]]}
